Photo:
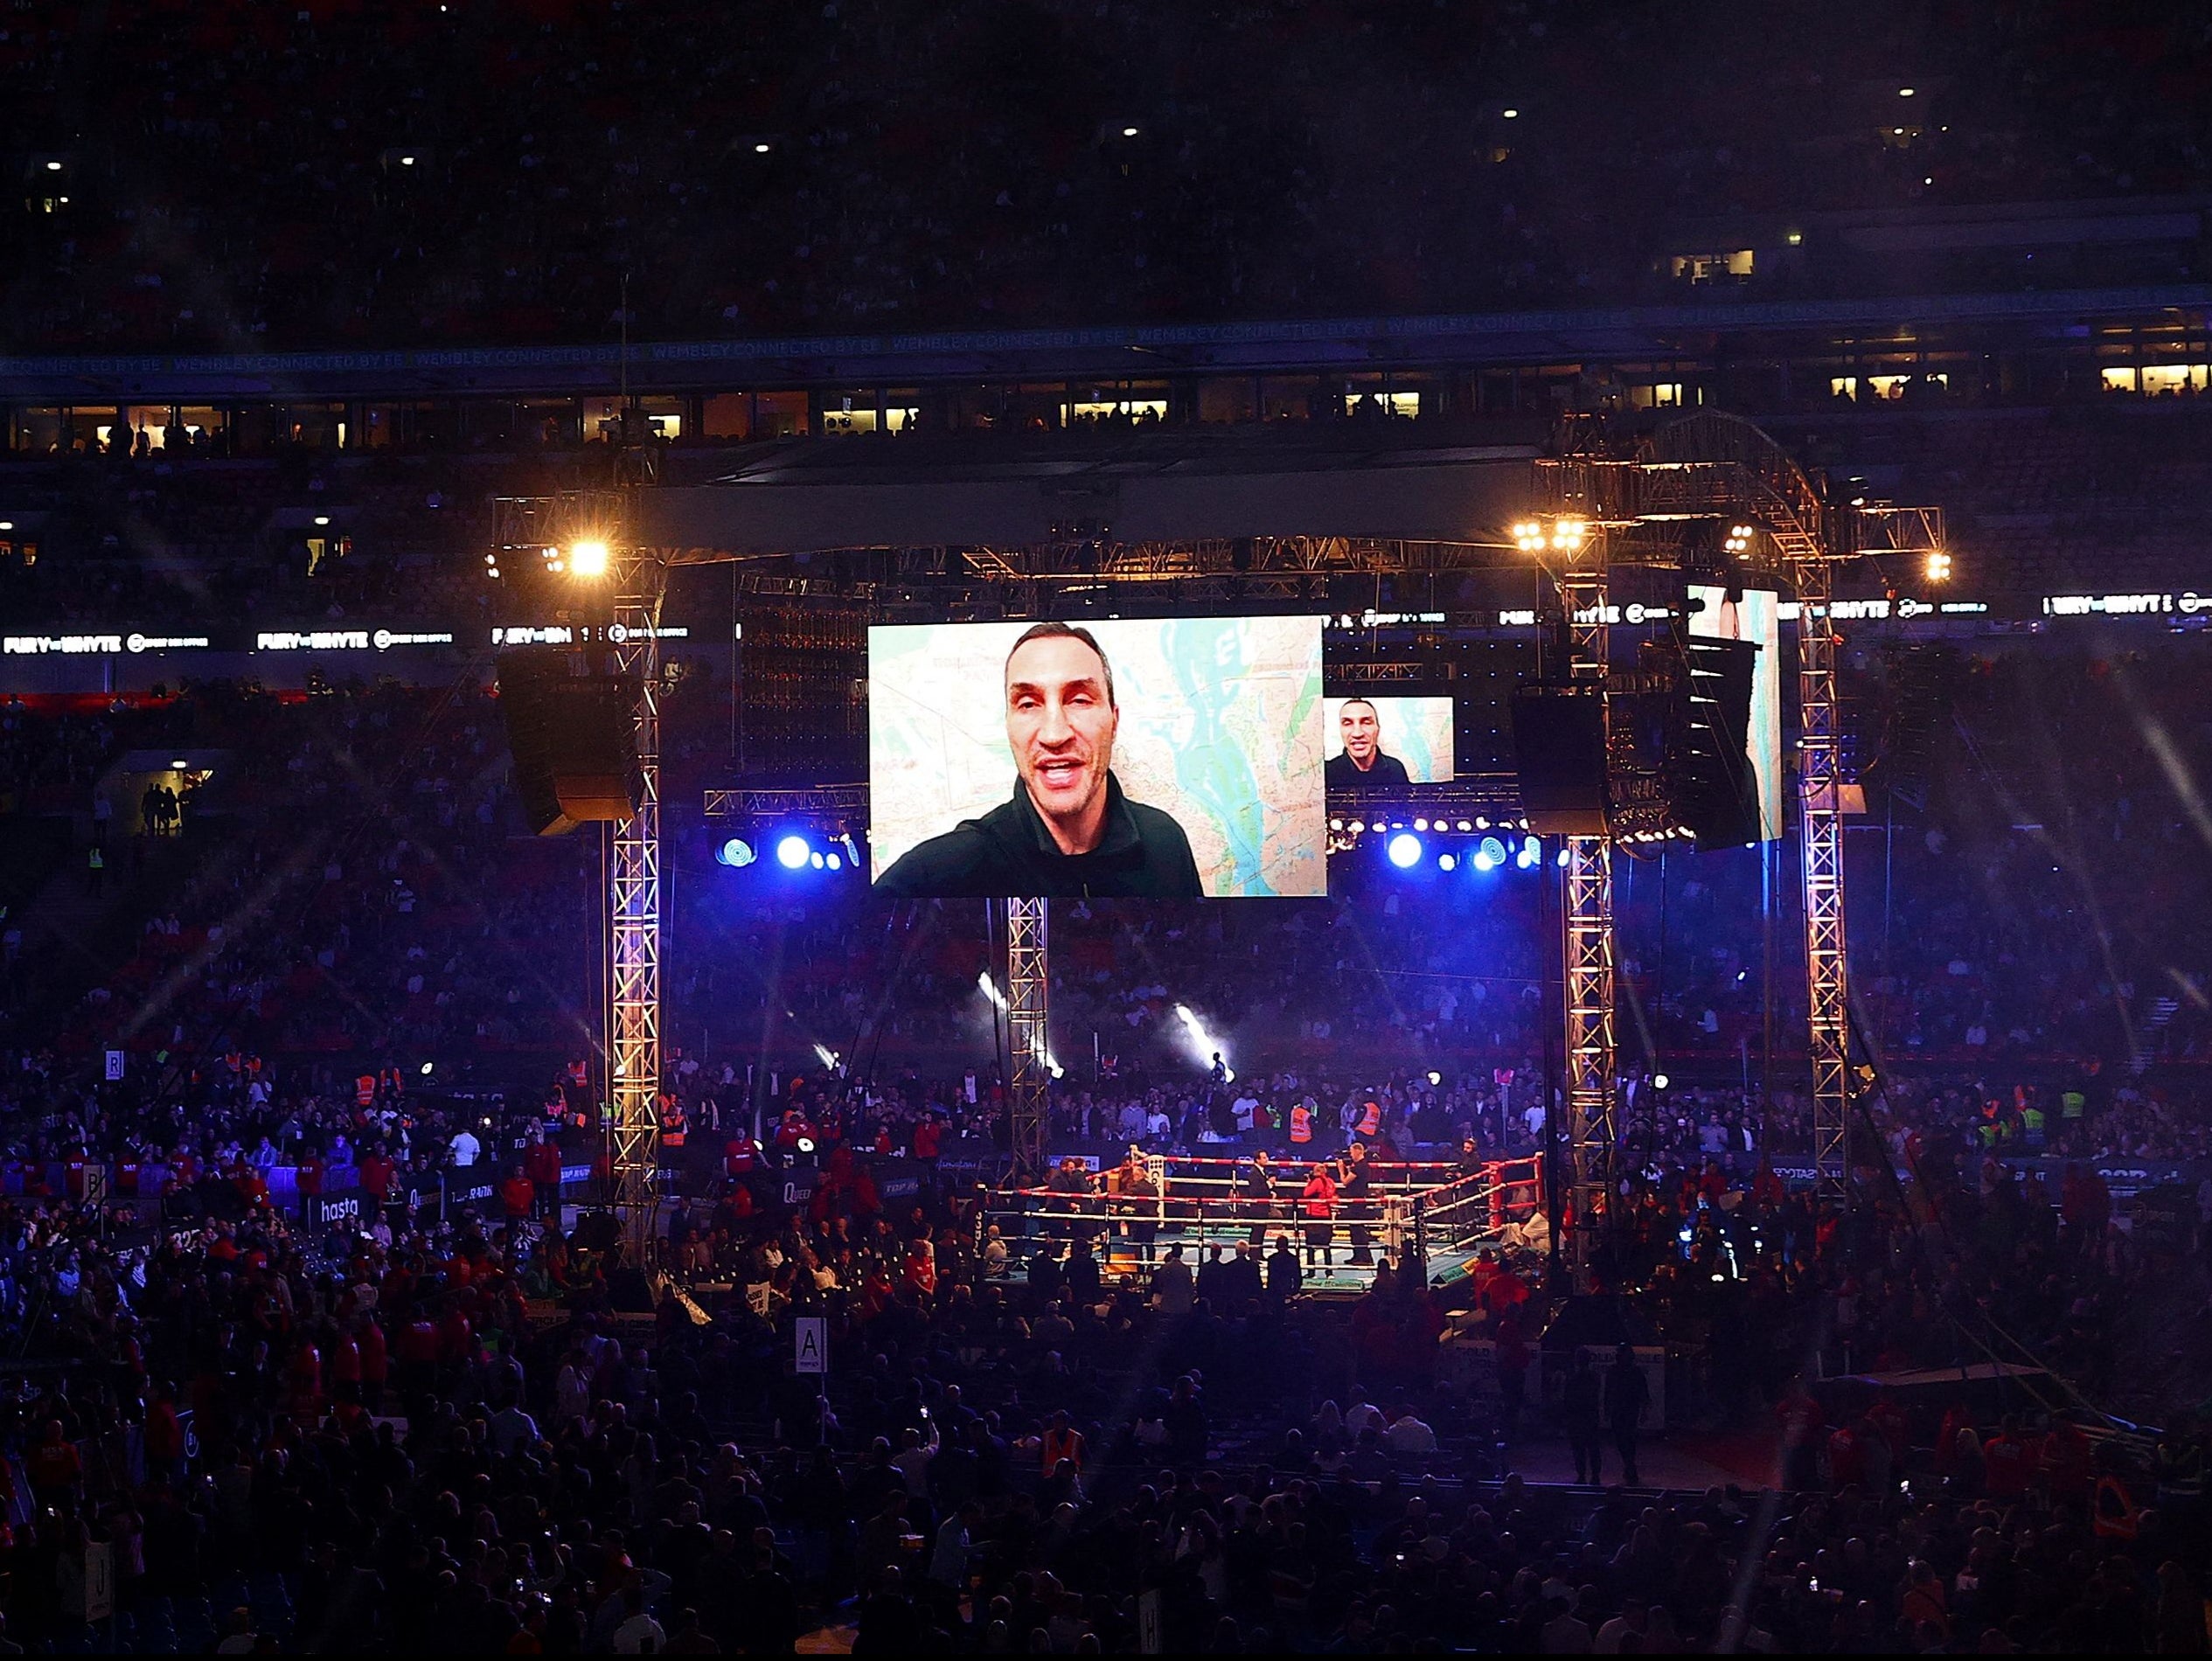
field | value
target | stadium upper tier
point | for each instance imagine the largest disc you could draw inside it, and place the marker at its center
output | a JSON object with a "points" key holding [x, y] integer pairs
{"points": [[224, 176], [1771, 359]]}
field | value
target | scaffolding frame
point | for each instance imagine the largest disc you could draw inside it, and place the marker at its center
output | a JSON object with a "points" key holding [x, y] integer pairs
{"points": [[1029, 1039]]}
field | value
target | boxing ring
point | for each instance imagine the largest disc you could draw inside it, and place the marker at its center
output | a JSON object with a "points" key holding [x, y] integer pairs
{"points": [[1438, 1214]]}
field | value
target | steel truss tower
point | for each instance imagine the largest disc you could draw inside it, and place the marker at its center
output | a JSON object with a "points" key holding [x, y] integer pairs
{"points": [[1028, 1033], [1586, 945], [1820, 828], [633, 909], [1713, 465]]}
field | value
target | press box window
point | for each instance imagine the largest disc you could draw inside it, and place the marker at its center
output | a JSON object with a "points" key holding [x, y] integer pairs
{"points": [[1398, 406], [1711, 267]]}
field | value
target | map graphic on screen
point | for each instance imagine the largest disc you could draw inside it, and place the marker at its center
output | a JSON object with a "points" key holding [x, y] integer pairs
{"points": [[1366, 735], [1156, 758]]}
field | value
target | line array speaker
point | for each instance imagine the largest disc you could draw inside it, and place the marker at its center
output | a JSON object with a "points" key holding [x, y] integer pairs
{"points": [[574, 739], [1559, 746]]}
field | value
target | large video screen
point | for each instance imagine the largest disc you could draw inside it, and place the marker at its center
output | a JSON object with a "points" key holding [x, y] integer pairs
{"points": [[1163, 757], [1387, 740], [1753, 615]]}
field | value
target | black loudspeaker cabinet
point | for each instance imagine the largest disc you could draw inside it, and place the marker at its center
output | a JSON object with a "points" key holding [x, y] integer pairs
{"points": [[574, 739], [1720, 795], [1559, 746]]}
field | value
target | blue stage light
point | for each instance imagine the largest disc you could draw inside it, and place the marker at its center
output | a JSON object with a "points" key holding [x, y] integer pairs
{"points": [[1493, 853], [737, 853], [1484, 862], [1405, 850], [791, 852], [1447, 861]]}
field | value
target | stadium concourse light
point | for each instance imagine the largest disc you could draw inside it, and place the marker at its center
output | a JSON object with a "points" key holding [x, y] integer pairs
{"points": [[1404, 850], [791, 852]]}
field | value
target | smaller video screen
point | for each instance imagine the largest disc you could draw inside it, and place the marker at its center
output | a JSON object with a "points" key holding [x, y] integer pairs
{"points": [[1385, 741]]}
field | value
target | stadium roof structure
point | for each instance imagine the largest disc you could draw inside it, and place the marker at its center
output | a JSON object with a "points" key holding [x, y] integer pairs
{"points": [[1340, 484]]}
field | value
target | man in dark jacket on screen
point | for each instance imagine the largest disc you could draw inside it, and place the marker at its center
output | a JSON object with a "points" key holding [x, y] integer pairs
{"points": [[1068, 832]]}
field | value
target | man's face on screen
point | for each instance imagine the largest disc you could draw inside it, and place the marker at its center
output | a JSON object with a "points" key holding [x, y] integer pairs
{"points": [[1061, 726], [1359, 731]]}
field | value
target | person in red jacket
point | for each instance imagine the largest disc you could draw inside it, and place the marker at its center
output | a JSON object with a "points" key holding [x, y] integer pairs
{"points": [[376, 1363], [2066, 1460], [1955, 1419], [1317, 1199], [2008, 1459], [928, 1145], [303, 1382], [56, 1471], [920, 1273], [419, 1354], [341, 1363], [1847, 1457], [542, 1163], [164, 1437], [377, 1175], [517, 1196], [457, 1335], [741, 1156]]}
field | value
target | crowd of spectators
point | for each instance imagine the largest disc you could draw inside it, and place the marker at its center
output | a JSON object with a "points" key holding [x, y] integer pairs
{"points": [[439, 1429], [517, 170], [443, 1427]]}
